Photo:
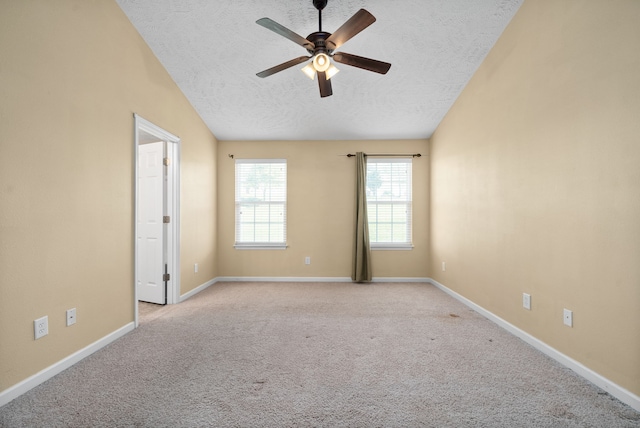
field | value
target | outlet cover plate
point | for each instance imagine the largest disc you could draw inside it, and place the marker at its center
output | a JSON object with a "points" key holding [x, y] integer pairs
{"points": [[41, 327], [71, 316], [568, 318]]}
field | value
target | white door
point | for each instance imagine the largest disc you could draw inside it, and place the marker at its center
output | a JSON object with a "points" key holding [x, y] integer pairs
{"points": [[150, 257]]}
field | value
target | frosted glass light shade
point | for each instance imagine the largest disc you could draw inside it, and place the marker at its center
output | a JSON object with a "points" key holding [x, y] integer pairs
{"points": [[309, 71], [321, 62], [332, 71]]}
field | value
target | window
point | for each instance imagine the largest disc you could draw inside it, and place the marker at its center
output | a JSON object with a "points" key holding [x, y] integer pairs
{"points": [[389, 202], [261, 203]]}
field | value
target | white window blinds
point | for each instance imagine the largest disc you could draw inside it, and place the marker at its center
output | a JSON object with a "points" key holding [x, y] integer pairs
{"points": [[389, 202], [261, 203]]}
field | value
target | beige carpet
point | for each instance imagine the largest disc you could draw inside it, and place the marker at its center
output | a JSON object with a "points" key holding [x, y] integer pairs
{"points": [[317, 354]]}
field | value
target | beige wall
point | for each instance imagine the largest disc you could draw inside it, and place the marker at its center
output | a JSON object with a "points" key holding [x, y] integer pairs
{"points": [[72, 73], [320, 210], [536, 182]]}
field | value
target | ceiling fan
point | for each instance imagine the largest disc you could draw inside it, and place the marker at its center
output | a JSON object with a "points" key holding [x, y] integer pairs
{"points": [[321, 45]]}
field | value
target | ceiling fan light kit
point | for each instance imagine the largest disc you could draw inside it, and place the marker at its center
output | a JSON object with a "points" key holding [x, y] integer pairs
{"points": [[321, 62], [321, 45]]}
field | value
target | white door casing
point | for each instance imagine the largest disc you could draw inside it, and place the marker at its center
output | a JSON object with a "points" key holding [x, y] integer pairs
{"points": [[146, 132]]}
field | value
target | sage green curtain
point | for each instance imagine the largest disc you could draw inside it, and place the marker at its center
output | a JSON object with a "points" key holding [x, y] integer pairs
{"points": [[361, 270]]}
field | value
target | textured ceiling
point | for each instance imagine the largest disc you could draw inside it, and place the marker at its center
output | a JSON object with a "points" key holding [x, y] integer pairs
{"points": [[213, 50]]}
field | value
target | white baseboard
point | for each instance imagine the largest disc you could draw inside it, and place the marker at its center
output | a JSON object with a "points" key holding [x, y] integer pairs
{"points": [[20, 388], [311, 279], [612, 388], [399, 279], [282, 279], [198, 289]]}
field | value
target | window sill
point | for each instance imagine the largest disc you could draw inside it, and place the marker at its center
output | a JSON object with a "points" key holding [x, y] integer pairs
{"points": [[260, 247], [391, 247]]}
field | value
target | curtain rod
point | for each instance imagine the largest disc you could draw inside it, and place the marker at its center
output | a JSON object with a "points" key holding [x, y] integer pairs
{"points": [[350, 155], [414, 155]]}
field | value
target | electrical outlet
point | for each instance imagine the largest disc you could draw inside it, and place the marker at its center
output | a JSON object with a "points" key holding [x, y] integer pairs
{"points": [[195, 268], [307, 260], [568, 318], [41, 327], [71, 316], [444, 266], [526, 301]]}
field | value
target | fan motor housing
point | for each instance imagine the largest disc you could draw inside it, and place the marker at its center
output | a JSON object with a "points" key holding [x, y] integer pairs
{"points": [[318, 39]]}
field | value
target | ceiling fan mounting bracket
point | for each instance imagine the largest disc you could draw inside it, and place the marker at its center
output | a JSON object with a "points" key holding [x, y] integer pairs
{"points": [[320, 4]]}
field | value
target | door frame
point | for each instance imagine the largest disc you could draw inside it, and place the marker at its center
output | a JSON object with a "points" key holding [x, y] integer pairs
{"points": [[172, 207]]}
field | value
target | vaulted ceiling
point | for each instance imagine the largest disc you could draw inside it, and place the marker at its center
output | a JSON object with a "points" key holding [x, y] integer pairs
{"points": [[213, 50]]}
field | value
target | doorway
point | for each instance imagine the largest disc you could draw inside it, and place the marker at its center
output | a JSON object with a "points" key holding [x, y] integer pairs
{"points": [[156, 219]]}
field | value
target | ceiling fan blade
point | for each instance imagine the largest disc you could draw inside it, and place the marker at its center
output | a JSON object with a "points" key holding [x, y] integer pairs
{"points": [[362, 62], [358, 22], [325, 85], [273, 70], [285, 32]]}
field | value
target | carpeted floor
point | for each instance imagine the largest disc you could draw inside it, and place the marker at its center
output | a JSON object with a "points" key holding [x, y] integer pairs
{"points": [[317, 355], [149, 311]]}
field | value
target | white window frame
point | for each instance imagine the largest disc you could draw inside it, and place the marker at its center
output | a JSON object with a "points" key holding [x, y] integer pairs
{"points": [[375, 204], [259, 245]]}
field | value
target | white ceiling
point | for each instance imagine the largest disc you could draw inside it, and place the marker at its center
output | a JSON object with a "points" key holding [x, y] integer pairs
{"points": [[213, 50]]}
